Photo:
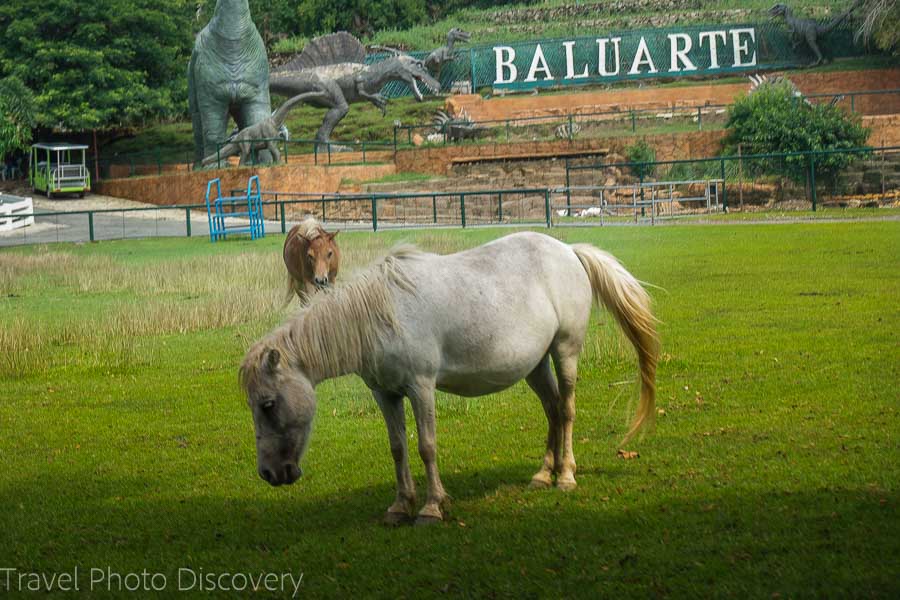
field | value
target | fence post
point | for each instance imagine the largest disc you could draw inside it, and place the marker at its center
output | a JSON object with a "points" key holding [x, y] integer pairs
{"points": [[633, 122], [568, 192], [812, 180], [218, 156], [91, 225], [434, 208], [641, 173], [500, 207], [281, 207], [472, 70], [853, 103], [323, 208], [395, 139], [364, 152], [462, 209], [374, 213], [571, 132], [724, 187], [329, 153], [547, 207], [187, 221], [699, 118], [287, 144], [316, 153]]}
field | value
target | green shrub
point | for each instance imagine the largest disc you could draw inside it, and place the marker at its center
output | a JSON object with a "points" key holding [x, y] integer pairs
{"points": [[641, 152], [774, 119]]}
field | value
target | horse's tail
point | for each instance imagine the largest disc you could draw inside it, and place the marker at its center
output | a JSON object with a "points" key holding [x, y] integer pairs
{"points": [[627, 300]]}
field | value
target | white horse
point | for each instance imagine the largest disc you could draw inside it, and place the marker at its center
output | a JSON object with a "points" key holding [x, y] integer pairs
{"points": [[470, 323]]}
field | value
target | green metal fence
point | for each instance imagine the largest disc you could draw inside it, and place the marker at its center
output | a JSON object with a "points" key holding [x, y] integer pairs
{"points": [[575, 125], [795, 179]]}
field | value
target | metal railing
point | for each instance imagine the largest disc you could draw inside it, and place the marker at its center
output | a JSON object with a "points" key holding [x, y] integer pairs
{"points": [[785, 176], [568, 126], [572, 125]]}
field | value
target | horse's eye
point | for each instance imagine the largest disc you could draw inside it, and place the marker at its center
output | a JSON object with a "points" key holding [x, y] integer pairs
{"points": [[268, 405], [330, 254]]}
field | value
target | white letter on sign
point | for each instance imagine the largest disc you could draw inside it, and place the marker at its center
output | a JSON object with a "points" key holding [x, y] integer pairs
{"points": [[507, 63], [712, 36], [538, 63], [602, 61], [744, 48], [680, 55], [642, 56], [570, 63]]}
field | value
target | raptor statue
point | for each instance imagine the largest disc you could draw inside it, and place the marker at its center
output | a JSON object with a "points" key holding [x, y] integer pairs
{"points": [[262, 135], [227, 76], [334, 67], [435, 61], [809, 30]]}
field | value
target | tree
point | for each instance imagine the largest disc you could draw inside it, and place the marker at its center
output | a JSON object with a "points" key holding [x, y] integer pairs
{"points": [[98, 65], [774, 119], [881, 24], [16, 106]]}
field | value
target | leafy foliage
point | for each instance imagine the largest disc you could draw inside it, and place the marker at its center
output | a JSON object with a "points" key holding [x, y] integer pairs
{"points": [[641, 152], [16, 106], [881, 24], [102, 64], [774, 120]]}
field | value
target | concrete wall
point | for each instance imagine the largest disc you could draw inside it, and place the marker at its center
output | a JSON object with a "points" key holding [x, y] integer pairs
{"points": [[190, 187]]}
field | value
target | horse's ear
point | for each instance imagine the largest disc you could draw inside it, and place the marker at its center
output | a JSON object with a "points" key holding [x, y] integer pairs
{"points": [[333, 234], [271, 359]]}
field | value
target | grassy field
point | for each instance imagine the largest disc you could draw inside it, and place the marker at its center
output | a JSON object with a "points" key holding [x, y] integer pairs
{"points": [[773, 470]]}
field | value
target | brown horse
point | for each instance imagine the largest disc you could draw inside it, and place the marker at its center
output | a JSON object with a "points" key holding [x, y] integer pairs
{"points": [[312, 258]]}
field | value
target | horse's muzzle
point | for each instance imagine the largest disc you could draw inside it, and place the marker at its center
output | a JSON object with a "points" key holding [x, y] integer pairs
{"points": [[286, 475]]}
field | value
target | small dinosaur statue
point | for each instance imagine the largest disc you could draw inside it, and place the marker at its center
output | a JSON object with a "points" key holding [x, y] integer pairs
{"points": [[227, 76], [809, 30], [334, 66], [262, 135], [435, 61]]}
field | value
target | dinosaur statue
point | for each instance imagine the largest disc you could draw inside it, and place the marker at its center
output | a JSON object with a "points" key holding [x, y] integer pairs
{"points": [[809, 30], [457, 128], [227, 76], [334, 66], [259, 136], [435, 61]]}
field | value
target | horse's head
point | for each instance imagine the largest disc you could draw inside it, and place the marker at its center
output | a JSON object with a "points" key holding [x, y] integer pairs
{"points": [[283, 403], [323, 257]]}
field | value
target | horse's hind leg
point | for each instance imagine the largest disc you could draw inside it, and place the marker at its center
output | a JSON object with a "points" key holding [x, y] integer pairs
{"points": [[404, 505], [544, 385], [566, 364], [421, 397]]}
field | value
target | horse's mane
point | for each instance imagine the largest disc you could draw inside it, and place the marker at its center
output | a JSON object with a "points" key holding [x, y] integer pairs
{"points": [[310, 229], [338, 331]]}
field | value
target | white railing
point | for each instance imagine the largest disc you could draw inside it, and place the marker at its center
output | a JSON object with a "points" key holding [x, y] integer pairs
{"points": [[68, 176], [11, 209], [658, 198]]}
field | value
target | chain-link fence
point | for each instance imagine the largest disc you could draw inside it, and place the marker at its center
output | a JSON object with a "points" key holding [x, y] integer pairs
{"points": [[633, 55]]}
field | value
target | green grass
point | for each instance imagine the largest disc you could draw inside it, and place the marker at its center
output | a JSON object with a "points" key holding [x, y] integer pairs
{"points": [[773, 470]]}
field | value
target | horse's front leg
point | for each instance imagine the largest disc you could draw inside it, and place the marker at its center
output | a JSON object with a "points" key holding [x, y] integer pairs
{"points": [[421, 396], [404, 505]]}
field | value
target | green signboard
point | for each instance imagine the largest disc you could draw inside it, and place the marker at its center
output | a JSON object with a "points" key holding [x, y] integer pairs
{"points": [[610, 57]]}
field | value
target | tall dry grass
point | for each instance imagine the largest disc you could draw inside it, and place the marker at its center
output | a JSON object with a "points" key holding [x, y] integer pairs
{"points": [[134, 302]]}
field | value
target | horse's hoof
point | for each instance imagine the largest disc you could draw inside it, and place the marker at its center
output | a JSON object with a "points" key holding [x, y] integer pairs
{"points": [[538, 483], [423, 520], [566, 485], [396, 519]]}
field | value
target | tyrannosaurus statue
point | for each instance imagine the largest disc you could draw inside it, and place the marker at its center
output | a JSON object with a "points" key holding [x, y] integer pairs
{"points": [[809, 30], [227, 76], [334, 66], [259, 136]]}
